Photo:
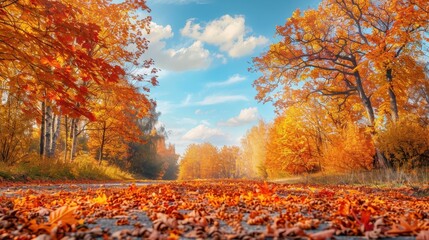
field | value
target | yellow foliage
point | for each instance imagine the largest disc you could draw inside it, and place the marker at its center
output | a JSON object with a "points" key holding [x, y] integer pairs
{"points": [[405, 143], [101, 199], [293, 143], [251, 162], [205, 161], [349, 149]]}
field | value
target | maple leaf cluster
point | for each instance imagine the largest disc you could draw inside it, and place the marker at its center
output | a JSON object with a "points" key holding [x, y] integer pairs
{"points": [[214, 210], [71, 67]]}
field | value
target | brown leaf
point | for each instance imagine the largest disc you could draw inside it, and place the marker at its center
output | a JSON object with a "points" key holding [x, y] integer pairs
{"points": [[403, 228], [423, 235], [327, 234]]}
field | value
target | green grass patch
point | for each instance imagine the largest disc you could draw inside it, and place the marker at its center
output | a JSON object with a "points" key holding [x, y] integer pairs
{"points": [[83, 167]]}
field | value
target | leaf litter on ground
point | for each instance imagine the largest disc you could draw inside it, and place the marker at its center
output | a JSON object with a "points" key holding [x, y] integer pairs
{"points": [[224, 209]]}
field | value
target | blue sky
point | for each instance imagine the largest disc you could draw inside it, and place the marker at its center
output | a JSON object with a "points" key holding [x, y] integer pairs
{"points": [[204, 48]]}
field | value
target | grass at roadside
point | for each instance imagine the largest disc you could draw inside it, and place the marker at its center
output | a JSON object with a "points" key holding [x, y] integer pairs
{"points": [[377, 178], [82, 168]]}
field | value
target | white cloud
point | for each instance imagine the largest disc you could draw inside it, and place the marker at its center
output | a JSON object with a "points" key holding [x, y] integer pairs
{"points": [[227, 32], [159, 32], [204, 133], [204, 112], [192, 57], [188, 58], [246, 115], [221, 57], [236, 78], [212, 100], [187, 100], [245, 47]]}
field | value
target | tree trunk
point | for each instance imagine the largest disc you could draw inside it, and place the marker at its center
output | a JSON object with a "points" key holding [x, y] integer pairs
{"points": [[392, 95], [66, 123], [55, 134], [48, 130], [73, 138], [103, 141], [42, 131], [382, 161]]}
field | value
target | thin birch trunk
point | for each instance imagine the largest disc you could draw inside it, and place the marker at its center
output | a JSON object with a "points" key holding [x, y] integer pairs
{"points": [[42, 131], [48, 131], [55, 134], [66, 123]]}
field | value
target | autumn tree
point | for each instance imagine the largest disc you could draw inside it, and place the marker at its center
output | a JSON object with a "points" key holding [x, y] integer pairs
{"points": [[205, 161], [60, 53], [228, 161], [169, 159], [294, 143], [117, 112], [15, 130], [360, 52], [251, 163], [151, 156], [189, 167]]}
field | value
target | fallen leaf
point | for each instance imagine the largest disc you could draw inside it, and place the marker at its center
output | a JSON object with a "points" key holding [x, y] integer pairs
{"points": [[423, 235], [327, 234], [63, 214]]}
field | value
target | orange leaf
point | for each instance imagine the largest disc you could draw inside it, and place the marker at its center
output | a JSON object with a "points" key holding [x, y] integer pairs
{"points": [[63, 214], [35, 227], [344, 207], [403, 228]]}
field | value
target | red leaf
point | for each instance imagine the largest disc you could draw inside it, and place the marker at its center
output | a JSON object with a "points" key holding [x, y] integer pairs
{"points": [[365, 220]]}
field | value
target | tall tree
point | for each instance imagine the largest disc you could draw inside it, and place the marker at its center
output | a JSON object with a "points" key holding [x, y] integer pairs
{"points": [[151, 157], [345, 50], [62, 52], [15, 130], [205, 161], [228, 161], [251, 163], [189, 167], [294, 142], [117, 111]]}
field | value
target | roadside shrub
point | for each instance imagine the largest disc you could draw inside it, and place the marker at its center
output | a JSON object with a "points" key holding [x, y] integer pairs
{"points": [[405, 143], [350, 149], [84, 167]]}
